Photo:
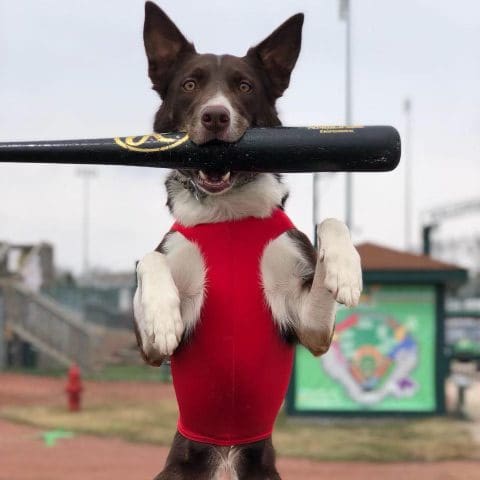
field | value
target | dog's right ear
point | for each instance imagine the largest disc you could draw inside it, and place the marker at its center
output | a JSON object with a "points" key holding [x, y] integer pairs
{"points": [[164, 45]]}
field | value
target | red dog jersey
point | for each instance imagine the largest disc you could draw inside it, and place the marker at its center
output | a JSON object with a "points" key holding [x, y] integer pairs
{"points": [[231, 375]]}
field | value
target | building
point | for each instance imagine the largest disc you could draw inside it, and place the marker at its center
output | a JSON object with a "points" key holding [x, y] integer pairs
{"points": [[32, 265]]}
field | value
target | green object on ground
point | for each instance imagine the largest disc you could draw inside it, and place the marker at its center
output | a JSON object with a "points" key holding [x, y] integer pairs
{"points": [[50, 438]]}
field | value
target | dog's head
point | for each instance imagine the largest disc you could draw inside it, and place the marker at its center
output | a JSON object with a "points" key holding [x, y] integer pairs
{"points": [[217, 97]]}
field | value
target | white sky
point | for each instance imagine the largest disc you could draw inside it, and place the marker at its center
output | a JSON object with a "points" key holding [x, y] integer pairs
{"points": [[76, 69]]}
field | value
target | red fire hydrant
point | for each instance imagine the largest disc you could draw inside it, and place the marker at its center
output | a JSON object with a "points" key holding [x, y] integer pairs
{"points": [[74, 388]]}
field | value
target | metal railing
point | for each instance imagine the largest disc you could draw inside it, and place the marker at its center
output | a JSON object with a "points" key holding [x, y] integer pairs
{"points": [[55, 331]]}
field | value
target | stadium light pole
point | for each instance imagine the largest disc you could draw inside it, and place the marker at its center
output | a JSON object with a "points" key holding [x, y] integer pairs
{"points": [[345, 14], [86, 174], [315, 208]]}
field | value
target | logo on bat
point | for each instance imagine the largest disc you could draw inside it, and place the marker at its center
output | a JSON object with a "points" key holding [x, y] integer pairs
{"points": [[155, 142], [335, 128]]}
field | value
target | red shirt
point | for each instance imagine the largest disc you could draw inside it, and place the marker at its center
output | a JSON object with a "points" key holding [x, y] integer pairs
{"points": [[231, 375]]}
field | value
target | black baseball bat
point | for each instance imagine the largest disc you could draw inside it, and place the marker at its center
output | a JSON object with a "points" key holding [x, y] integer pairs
{"points": [[279, 149]]}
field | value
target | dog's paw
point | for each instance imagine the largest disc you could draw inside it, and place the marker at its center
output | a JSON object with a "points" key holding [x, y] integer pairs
{"points": [[343, 272], [163, 323], [157, 309]]}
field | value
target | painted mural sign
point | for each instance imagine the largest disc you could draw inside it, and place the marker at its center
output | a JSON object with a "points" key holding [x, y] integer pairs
{"points": [[382, 356]]}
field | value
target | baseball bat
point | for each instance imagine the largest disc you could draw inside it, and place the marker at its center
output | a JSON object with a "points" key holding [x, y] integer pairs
{"points": [[279, 149]]}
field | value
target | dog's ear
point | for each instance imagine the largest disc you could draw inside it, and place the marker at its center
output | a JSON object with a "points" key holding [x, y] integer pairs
{"points": [[164, 45], [278, 53]]}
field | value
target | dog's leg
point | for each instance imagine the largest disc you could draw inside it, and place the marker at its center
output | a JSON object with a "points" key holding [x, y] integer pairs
{"points": [[190, 460], [169, 296], [156, 304], [338, 277], [302, 288], [255, 461]]}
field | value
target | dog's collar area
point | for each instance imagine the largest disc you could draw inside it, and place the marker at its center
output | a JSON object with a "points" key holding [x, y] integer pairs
{"points": [[197, 193], [192, 187]]}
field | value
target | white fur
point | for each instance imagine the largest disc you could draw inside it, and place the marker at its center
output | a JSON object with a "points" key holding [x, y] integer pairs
{"points": [[228, 461], [316, 310], [338, 276], [157, 305], [343, 270], [188, 271], [222, 101], [282, 267], [257, 198]]}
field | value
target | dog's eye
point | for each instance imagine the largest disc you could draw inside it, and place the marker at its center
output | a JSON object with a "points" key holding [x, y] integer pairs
{"points": [[245, 87], [189, 85]]}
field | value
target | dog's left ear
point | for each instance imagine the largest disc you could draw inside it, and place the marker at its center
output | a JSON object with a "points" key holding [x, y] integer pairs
{"points": [[278, 53]]}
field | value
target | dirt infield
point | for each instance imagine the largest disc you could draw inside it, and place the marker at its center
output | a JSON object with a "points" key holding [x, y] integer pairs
{"points": [[18, 389], [24, 454]]}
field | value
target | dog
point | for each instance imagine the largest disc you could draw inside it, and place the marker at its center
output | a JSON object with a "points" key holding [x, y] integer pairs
{"points": [[233, 286]]}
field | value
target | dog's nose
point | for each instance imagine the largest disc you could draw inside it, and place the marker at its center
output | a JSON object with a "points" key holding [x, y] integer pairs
{"points": [[215, 118]]}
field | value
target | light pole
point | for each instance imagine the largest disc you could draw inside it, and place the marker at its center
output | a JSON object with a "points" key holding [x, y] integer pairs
{"points": [[86, 174], [407, 161], [345, 14], [315, 219]]}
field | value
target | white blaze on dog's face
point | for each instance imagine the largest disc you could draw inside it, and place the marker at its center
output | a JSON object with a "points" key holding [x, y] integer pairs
{"points": [[217, 97], [217, 119]]}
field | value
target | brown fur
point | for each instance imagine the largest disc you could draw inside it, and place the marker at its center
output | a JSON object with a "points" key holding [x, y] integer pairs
{"points": [[202, 461]]}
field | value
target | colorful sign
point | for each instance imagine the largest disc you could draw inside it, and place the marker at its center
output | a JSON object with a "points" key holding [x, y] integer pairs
{"points": [[382, 358]]}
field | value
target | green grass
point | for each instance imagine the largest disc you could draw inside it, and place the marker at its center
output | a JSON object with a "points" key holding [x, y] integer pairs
{"points": [[376, 440], [138, 423], [110, 373], [132, 373], [340, 440], [55, 372]]}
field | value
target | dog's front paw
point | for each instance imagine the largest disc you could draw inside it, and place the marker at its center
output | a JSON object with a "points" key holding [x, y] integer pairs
{"points": [[157, 308], [343, 273], [163, 323]]}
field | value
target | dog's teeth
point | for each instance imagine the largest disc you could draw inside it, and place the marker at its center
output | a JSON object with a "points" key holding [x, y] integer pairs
{"points": [[226, 177], [202, 175]]}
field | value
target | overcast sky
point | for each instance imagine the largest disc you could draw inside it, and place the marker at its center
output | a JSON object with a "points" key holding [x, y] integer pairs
{"points": [[76, 69]]}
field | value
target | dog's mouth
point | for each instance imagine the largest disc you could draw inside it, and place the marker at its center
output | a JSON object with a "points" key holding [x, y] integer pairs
{"points": [[213, 181]]}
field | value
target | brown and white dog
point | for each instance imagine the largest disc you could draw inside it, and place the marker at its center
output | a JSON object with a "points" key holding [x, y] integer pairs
{"points": [[217, 97]]}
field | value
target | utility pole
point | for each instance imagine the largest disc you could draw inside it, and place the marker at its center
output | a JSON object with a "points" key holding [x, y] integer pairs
{"points": [[86, 174], [407, 161], [315, 215], [345, 14]]}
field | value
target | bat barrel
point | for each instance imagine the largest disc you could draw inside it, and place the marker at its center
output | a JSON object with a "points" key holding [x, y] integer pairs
{"points": [[279, 149]]}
